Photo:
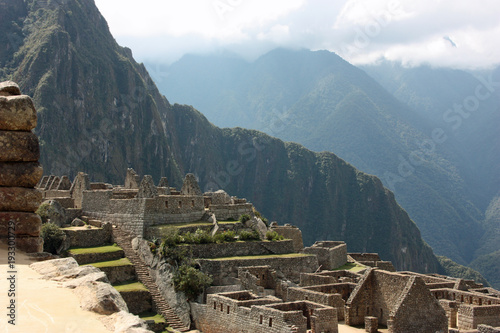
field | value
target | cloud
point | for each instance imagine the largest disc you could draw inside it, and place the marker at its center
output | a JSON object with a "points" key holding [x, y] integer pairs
{"points": [[361, 31]]}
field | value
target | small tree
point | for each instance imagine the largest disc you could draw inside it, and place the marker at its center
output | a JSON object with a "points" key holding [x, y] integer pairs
{"points": [[52, 237], [191, 281]]}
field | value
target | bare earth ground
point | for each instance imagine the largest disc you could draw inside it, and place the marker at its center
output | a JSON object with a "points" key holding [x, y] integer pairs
{"points": [[42, 306]]}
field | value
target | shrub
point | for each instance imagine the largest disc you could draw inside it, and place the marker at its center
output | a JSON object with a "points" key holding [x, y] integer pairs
{"points": [[191, 281], [152, 247], [273, 236], [203, 237], [52, 237], [244, 218], [171, 236], [249, 235], [229, 236]]}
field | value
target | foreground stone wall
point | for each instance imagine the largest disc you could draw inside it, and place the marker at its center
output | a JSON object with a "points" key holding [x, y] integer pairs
{"points": [[19, 170]]}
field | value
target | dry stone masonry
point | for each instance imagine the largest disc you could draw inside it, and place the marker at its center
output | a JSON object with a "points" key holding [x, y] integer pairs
{"points": [[19, 170]]}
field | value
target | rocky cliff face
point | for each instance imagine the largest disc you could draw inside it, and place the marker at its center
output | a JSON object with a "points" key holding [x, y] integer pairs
{"points": [[100, 112]]}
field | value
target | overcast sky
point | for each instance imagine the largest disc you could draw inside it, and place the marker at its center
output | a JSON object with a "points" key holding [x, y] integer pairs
{"points": [[454, 33]]}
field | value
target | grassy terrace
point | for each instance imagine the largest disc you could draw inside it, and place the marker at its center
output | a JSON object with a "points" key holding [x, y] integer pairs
{"points": [[350, 266], [152, 316], [131, 286], [266, 256], [111, 263], [98, 249]]}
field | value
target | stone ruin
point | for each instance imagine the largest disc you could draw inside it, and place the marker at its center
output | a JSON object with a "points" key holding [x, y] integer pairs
{"points": [[140, 204], [19, 170]]}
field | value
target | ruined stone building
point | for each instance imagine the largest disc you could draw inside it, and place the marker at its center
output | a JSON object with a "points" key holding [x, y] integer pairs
{"points": [[138, 205]]}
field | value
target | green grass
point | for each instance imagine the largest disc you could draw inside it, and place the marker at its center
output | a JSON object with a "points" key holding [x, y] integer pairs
{"points": [[350, 266], [266, 256], [228, 222], [97, 249], [130, 286], [111, 263], [152, 316]]}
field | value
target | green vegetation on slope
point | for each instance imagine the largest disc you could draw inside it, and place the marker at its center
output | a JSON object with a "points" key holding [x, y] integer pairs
{"points": [[489, 265], [459, 271]]}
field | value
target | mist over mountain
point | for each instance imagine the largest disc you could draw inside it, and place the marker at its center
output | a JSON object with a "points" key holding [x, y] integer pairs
{"points": [[100, 112], [325, 103]]}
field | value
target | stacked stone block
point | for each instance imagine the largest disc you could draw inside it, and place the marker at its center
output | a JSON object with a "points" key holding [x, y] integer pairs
{"points": [[19, 170]]}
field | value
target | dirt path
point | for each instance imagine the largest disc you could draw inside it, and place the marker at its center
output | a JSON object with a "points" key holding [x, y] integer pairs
{"points": [[42, 306]]}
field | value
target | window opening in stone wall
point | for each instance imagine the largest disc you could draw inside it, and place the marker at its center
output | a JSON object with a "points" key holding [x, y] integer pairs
{"points": [[270, 322], [381, 314], [222, 307], [192, 203], [166, 204], [180, 204], [215, 305], [228, 309], [260, 321]]}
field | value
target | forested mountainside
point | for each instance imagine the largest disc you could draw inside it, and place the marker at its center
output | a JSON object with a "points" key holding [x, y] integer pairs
{"points": [[100, 112], [321, 101]]}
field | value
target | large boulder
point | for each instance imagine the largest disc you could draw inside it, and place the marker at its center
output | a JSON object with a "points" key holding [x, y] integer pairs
{"points": [[53, 211], [54, 268], [92, 277], [100, 297]]}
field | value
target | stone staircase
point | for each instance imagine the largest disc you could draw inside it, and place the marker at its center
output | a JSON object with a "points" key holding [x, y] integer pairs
{"points": [[123, 239]]}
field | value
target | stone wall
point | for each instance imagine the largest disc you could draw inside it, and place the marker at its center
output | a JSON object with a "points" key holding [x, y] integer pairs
{"points": [[464, 297], [402, 302], [328, 277], [321, 297], [231, 212], [89, 237], [293, 233], [470, 316], [138, 301], [224, 271], [365, 256], [255, 248], [19, 171], [223, 313], [330, 254]]}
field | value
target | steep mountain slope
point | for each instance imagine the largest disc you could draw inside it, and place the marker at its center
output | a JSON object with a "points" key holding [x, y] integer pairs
{"points": [[323, 102], [467, 108], [99, 112]]}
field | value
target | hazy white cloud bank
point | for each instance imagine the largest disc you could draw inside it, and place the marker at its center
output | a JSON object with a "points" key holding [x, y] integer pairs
{"points": [[457, 33]]}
